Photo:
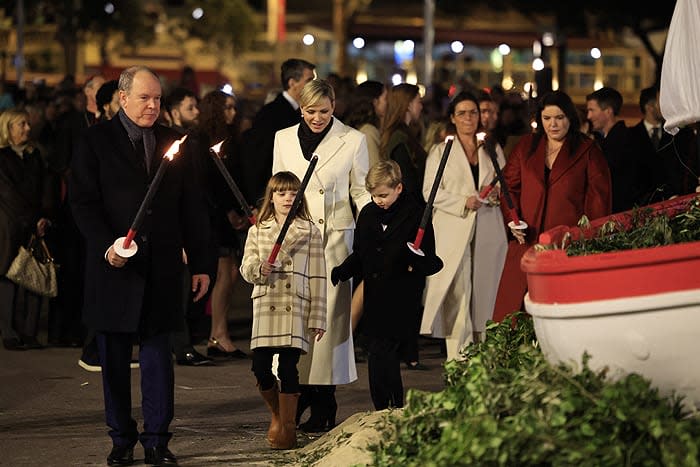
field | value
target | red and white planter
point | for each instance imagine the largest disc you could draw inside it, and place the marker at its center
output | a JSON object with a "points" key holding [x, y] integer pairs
{"points": [[632, 311]]}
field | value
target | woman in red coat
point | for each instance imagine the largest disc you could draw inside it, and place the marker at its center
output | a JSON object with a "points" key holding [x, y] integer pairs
{"points": [[555, 176]]}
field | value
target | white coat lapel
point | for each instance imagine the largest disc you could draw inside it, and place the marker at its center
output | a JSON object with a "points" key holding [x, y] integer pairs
{"points": [[486, 169], [331, 144]]}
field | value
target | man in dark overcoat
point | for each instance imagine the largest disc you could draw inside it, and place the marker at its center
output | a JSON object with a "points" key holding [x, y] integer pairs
{"points": [[137, 299], [282, 112]]}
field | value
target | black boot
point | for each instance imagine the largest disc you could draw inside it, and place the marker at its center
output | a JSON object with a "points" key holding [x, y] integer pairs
{"points": [[323, 410], [307, 394], [332, 407]]}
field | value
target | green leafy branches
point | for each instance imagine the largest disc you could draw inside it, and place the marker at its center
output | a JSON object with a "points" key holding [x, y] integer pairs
{"points": [[647, 229], [505, 405]]}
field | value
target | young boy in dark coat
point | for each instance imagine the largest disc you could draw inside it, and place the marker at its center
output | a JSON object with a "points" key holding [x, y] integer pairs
{"points": [[393, 275]]}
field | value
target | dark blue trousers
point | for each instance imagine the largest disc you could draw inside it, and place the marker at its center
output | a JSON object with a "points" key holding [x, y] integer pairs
{"points": [[384, 371], [157, 388]]}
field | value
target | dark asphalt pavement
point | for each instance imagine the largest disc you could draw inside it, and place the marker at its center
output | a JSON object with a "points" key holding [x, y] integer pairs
{"points": [[51, 411]]}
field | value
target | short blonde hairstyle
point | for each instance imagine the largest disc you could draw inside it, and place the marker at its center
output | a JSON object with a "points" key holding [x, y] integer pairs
{"points": [[314, 91], [383, 173], [7, 118]]}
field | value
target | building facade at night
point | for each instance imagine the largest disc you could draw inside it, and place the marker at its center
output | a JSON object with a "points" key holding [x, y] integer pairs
{"points": [[381, 43]]}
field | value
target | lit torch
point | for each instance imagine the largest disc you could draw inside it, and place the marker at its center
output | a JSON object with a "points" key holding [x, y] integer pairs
{"points": [[125, 246], [215, 152]]}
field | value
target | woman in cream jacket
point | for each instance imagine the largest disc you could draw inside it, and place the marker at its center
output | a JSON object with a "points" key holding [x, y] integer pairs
{"points": [[470, 235], [334, 194]]}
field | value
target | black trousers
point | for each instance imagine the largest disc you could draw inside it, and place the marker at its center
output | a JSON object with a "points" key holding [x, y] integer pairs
{"points": [[157, 388], [384, 369], [65, 310], [286, 368]]}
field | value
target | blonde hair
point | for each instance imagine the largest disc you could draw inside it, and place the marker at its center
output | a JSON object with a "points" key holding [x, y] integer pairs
{"points": [[314, 91], [383, 173], [7, 118], [436, 132], [281, 181]]}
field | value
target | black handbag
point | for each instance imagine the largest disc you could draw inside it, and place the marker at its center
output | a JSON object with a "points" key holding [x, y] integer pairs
{"points": [[34, 269]]}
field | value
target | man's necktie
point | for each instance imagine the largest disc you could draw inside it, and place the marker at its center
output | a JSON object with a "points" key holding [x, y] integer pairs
{"points": [[141, 152], [655, 137]]}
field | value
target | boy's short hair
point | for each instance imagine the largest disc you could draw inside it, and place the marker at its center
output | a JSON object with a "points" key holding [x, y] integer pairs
{"points": [[383, 173]]}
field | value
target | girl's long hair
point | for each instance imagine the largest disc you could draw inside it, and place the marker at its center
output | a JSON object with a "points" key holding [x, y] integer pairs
{"points": [[361, 107], [281, 181], [212, 121], [398, 100]]}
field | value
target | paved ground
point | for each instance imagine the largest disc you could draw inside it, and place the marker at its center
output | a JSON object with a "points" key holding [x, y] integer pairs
{"points": [[51, 410]]}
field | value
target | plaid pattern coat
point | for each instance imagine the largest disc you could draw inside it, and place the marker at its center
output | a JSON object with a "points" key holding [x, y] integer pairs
{"points": [[292, 299]]}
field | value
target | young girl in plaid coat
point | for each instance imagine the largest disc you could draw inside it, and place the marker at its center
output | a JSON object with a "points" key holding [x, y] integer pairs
{"points": [[289, 301]]}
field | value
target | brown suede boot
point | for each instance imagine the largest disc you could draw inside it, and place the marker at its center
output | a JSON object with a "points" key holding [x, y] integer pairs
{"points": [[271, 398], [287, 437]]}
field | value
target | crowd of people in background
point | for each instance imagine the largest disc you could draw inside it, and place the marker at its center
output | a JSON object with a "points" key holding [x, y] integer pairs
{"points": [[560, 162]]}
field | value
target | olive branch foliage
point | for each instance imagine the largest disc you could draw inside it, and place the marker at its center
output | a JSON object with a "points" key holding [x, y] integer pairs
{"points": [[647, 229], [504, 405]]}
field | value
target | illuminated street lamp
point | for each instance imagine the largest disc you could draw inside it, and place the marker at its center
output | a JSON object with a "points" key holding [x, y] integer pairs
{"points": [[538, 64], [548, 39], [308, 39], [358, 42], [596, 54], [537, 48]]}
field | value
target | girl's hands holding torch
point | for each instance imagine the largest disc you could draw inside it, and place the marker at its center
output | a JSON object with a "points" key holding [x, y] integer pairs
{"points": [[266, 268]]}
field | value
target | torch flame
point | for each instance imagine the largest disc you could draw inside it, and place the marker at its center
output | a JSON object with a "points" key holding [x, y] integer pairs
{"points": [[174, 148], [217, 147], [481, 136]]}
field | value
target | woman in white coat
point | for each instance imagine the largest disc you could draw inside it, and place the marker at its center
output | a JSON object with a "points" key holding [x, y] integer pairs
{"points": [[470, 234], [337, 184]]}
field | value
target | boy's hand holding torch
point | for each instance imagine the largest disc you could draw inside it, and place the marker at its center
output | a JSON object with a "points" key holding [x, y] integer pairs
{"points": [[415, 246]]}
